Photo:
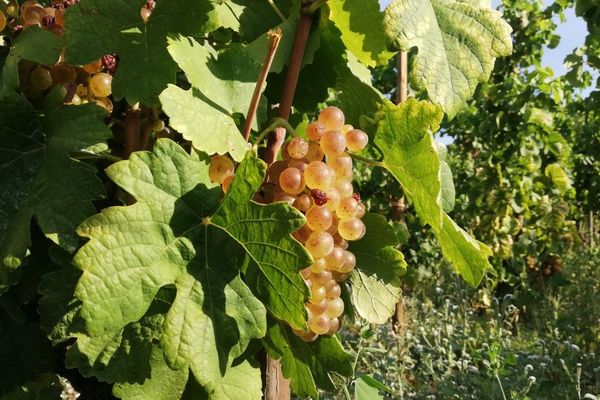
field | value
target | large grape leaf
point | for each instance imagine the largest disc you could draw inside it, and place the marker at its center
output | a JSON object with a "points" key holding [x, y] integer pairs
{"points": [[222, 84], [458, 43], [98, 27], [379, 265], [308, 365], [410, 153], [39, 178], [255, 18], [359, 20], [34, 44], [179, 235]]}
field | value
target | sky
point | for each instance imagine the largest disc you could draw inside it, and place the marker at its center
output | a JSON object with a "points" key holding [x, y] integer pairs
{"points": [[573, 32]]}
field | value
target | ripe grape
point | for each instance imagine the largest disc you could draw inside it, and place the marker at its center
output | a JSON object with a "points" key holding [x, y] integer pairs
{"points": [[275, 170], [318, 175], [341, 166], [335, 308], [333, 196], [317, 294], [320, 278], [145, 13], [76, 100], [297, 148], [227, 182], [351, 228], [285, 197], [307, 336], [356, 140], [303, 203], [344, 188], [314, 152], [333, 291], [333, 143], [362, 210], [334, 326], [291, 181], [319, 265], [63, 74], [334, 258], [81, 91], [319, 218], [347, 128], [101, 85], [319, 324], [94, 67], [319, 244], [302, 234], [332, 118], [347, 208], [315, 130], [105, 103], [349, 263], [158, 125], [318, 308], [2, 21], [220, 168], [40, 78], [301, 165]]}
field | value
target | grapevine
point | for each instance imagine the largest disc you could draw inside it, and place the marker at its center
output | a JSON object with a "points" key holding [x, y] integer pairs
{"points": [[167, 223]]}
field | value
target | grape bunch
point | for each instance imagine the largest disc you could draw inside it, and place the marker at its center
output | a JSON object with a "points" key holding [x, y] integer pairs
{"points": [[315, 177], [86, 83]]}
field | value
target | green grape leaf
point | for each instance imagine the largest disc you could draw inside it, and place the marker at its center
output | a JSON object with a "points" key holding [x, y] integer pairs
{"points": [[307, 365], [355, 93], [413, 158], [365, 391], [409, 153], [448, 189], [194, 244], [48, 185], [458, 43], [469, 256], [130, 359], [33, 44], [256, 18], [358, 20], [145, 67], [222, 84], [558, 176], [225, 78], [162, 384], [379, 265]]}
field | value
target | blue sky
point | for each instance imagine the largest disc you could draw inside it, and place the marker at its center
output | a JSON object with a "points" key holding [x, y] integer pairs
{"points": [[573, 32]]}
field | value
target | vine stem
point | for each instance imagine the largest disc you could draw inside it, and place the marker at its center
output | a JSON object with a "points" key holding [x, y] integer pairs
{"points": [[133, 122], [367, 161], [275, 123], [276, 9], [274, 39], [311, 9], [277, 137]]}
